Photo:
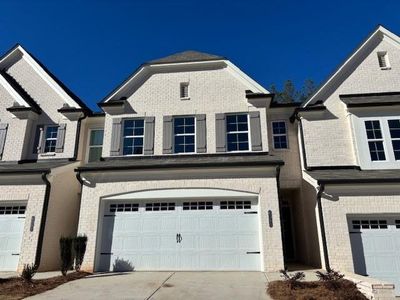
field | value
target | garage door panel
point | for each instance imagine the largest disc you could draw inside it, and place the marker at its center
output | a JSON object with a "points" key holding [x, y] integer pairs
{"points": [[209, 238], [375, 245], [11, 231]]}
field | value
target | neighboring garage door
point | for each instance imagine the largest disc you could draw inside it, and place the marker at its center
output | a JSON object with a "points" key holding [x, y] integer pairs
{"points": [[180, 235], [375, 243], [12, 219]]}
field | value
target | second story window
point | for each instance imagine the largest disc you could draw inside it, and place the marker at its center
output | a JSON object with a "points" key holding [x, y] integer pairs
{"points": [[394, 128], [279, 135], [375, 140], [133, 135], [184, 135], [237, 132], [95, 144], [50, 139], [184, 90]]}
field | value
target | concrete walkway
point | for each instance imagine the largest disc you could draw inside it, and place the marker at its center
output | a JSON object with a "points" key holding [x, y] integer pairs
{"points": [[164, 285]]}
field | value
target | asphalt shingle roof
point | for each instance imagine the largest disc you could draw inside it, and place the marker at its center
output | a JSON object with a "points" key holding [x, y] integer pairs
{"points": [[355, 175], [184, 161], [186, 56]]}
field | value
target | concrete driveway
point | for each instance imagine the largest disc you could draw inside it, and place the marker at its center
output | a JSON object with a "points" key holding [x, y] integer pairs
{"points": [[164, 285]]}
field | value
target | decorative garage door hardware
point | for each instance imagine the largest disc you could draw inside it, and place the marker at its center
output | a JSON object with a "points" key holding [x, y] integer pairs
{"points": [[250, 212], [178, 238], [253, 252]]}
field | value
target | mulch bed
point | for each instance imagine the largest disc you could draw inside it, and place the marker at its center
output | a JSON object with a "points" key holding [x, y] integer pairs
{"points": [[315, 290], [17, 288]]}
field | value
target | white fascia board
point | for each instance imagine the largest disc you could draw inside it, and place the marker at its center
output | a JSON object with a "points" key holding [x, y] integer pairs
{"points": [[43, 74], [181, 193], [239, 74], [379, 30], [17, 97], [247, 80]]}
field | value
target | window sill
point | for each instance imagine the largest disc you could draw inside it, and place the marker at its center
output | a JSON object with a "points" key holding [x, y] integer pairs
{"points": [[185, 98], [386, 68], [48, 154]]}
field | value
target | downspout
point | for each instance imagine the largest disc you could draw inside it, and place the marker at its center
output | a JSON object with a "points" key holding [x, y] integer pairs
{"points": [[295, 116], [322, 225], [278, 186], [43, 219], [77, 137]]}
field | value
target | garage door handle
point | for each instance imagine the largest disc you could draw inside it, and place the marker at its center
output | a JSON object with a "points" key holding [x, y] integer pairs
{"points": [[180, 238], [177, 238]]}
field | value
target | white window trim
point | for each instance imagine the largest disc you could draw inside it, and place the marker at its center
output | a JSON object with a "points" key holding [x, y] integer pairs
{"points": [[385, 56], [248, 133], [188, 91], [133, 136], [184, 134], [361, 140], [88, 142], [280, 134]]}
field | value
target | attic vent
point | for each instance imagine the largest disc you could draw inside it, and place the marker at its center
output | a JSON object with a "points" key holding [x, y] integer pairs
{"points": [[383, 60], [184, 91]]}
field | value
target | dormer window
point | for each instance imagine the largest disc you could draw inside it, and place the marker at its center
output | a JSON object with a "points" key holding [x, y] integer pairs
{"points": [[184, 90], [383, 60], [51, 139]]}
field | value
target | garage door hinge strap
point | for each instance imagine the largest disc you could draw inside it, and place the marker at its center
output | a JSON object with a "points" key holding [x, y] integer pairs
{"points": [[15, 254], [253, 252], [250, 212], [106, 253]]}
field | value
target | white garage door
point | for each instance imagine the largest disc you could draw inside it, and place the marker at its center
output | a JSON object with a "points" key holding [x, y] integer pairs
{"points": [[12, 219], [375, 243], [180, 235]]}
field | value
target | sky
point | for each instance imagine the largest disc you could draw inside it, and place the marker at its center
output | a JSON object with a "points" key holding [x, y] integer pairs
{"points": [[92, 46]]}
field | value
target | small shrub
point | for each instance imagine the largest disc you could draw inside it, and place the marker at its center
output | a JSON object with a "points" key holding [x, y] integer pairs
{"points": [[28, 272], [293, 280], [66, 253], [330, 278], [79, 250]]}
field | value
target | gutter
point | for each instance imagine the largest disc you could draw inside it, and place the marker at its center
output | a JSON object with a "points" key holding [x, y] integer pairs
{"points": [[322, 226], [43, 219]]}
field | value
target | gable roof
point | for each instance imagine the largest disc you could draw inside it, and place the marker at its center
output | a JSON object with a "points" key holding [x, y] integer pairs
{"points": [[56, 83], [186, 56], [378, 32]]}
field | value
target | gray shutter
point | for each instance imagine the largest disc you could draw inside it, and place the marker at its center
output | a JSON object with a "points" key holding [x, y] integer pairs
{"points": [[148, 136], [60, 138], [220, 132], [201, 134], [42, 139], [167, 134], [116, 136], [36, 142], [3, 134], [255, 131]]}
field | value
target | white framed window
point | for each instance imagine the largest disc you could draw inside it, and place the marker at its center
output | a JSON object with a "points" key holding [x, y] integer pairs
{"points": [[383, 60], [184, 90], [378, 141], [375, 140], [95, 145], [237, 132], [279, 135], [133, 136], [50, 139], [394, 129], [184, 135]]}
